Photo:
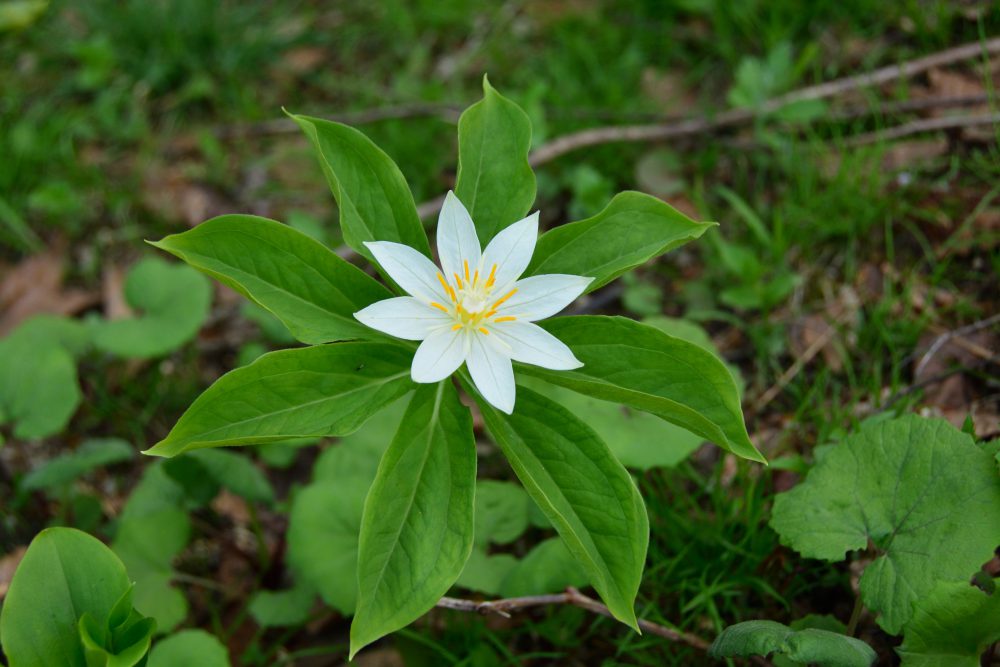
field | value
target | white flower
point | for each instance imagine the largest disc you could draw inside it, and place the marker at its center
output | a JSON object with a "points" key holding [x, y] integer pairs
{"points": [[474, 309]]}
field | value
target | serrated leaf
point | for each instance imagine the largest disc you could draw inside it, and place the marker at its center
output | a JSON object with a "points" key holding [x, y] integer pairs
{"points": [[303, 283], [811, 646], [152, 529], [187, 648], [64, 574], [63, 469], [416, 530], [631, 363], [173, 301], [631, 230], [324, 390], [907, 486], [375, 202], [582, 489], [951, 627], [495, 181]]}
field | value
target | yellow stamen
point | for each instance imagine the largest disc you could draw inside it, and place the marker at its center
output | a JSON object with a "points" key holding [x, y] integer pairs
{"points": [[447, 288], [489, 314], [465, 262], [435, 304], [493, 276], [484, 330], [458, 280], [505, 318], [475, 278], [503, 298], [456, 327]]}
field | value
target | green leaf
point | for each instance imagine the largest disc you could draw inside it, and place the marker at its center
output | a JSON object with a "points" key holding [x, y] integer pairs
{"points": [[187, 648], [548, 568], [19, 14], [486, 574], [304, 284], [582, 489], [631, 363], [495, 181], [907, 487], [64, 574], [631, 230], [323, 529], [63, 469], [501, 512], [416, 531], [277, 609], [638, 439], [812, 646], [951, 627], [121, 640], [375, 202], [39, 391], [315, 391], [232, 471], [325, 519], [152, 529], [174, 301]]}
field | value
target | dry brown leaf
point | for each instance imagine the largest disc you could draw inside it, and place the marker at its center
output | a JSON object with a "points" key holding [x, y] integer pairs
{"points": [[35, 286], [173, 196], [113, 289], [668, 90], [304, 59]]}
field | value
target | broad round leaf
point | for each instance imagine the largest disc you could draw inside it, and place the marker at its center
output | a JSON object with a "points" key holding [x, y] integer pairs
{"points": [[188, 648], [908, 487], [173, 301], [951, 627], [809, 646]]}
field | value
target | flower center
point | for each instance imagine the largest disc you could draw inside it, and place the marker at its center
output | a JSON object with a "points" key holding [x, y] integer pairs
{"points": [[471, 301]]}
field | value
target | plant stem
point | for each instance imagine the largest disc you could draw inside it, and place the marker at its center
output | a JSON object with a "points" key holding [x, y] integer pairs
{"points": [[852, 625]]}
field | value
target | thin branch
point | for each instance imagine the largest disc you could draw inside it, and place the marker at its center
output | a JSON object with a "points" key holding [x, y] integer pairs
{"points": [[921, 126], [941, 340], [574, 597]]}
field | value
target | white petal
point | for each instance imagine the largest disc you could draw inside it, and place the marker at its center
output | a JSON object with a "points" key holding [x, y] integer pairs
{"points": [[412, 271], [511, 250], [456, 237], [530, 344], [403, 317], [492, 372], [439, 355], [539, 297]]}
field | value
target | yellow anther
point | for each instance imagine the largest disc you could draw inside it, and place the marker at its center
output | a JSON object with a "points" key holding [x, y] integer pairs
{"points": [[458, 281], [484, 331], [456, 327], [447, 288], [505, 318], [489, 314], [503, 298], [435, 304], [492, 277], [475, 278], [465, 262]]}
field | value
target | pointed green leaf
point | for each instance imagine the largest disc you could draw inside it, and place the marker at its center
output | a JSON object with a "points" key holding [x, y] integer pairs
{"points": [[64, 574], [631, 230], [63, 469], [638, 365], [908, 487], [416, 531], [172, 300], [375, 202], [187, 648], [951, 627], [315, 391], [809, 646], [582, 489], [495, 181], [303, 283]]}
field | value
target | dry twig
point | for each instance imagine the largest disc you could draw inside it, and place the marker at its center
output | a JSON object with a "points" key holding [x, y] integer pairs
{"points": [[959, 333]]}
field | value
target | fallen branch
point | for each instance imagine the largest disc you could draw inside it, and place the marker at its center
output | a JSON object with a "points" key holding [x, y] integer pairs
{"points": [[959, 333], [574, 597], [921, 126]]}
